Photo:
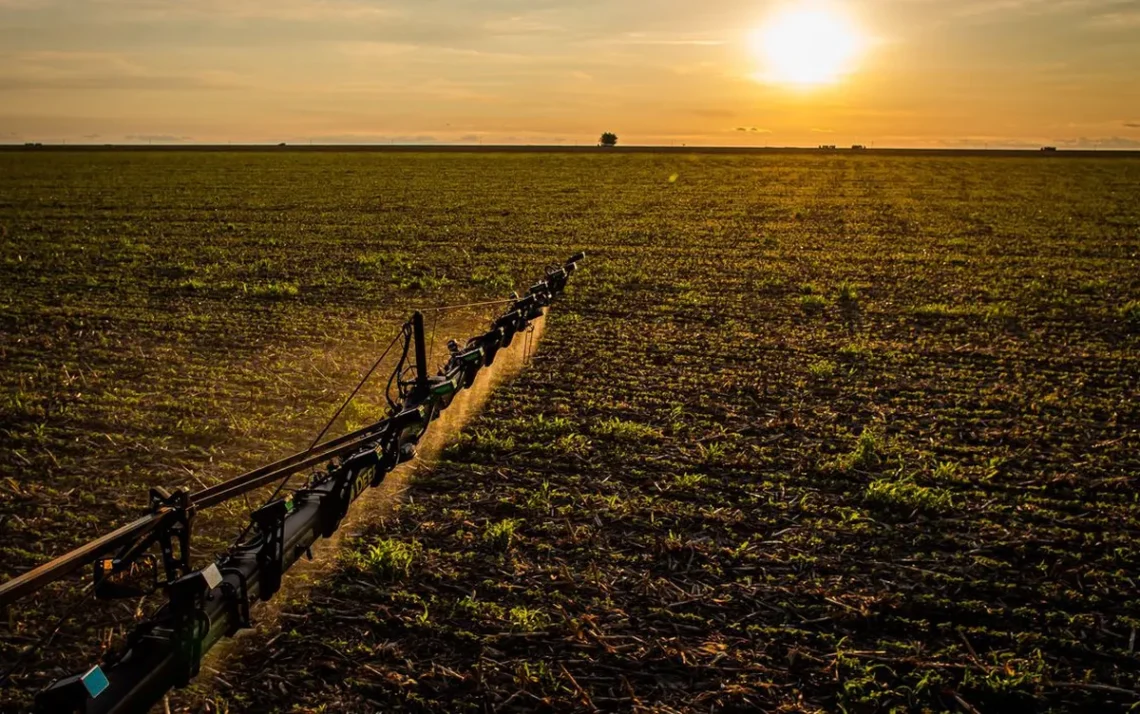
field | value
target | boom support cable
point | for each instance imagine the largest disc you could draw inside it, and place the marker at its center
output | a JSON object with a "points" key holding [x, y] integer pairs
{"points": [[359, 385], [363, 380], [448, 308]]}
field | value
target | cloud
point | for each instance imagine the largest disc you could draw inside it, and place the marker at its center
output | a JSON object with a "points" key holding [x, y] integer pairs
{"points": [[370, 51], [288, 10], [637, 38], [160, 138], [1105, 142], [111, 82], [99, 71], [375, 50], [1010, 142], [713, 113], [1132, 124], [992, 142], [518, 25], [375, 139], [412, 23], [992, 9], [1126, 20], [753, 130]]}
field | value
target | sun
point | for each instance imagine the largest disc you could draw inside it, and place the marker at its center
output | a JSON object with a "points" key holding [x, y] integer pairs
{"points": [[807, 45]]}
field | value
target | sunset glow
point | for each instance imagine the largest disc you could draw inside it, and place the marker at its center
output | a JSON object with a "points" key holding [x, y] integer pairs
{"points": [[807, 45], [909, 73]]}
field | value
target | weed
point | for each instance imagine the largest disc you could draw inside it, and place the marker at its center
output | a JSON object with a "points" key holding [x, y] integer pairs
{"points": [[273, 291], [688, 481], [946, 471], [622, 430], [822, 369], [853, 351], [713, 452], [571, 444], [388, 559], [993, 468], [1000, 312], [936, 309], [388, 262], [541, 498], [424, 282], [903, 494], [471, 607], [672, 542], [813, 304], [527, 619], [868, 451], [494, 280], [848, 293], [546, 427], [1130, 313], [536, 674], [1092, 287], [501, 534], [491, 440], [263, 268]]}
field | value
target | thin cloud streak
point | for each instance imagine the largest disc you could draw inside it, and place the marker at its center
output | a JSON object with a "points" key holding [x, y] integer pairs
{"points": [[224, 10], [48, 70]]}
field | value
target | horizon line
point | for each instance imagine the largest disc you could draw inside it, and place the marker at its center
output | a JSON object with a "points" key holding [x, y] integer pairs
{"points": [[374, 146]]}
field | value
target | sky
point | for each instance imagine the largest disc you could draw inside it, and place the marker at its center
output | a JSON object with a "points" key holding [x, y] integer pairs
{"points": [[925, 73]]}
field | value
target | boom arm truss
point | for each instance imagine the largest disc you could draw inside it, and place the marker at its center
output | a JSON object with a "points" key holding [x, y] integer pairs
{"points": [[204, 606]]}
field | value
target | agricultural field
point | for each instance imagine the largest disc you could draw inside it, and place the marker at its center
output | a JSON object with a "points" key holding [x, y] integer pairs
{"points": [[807, 432]]}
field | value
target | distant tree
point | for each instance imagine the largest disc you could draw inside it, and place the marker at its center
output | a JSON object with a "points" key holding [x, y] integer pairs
{"points": [[609, 139]]}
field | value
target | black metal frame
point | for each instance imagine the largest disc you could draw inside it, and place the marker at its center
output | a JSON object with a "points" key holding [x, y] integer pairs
{"points": [[206, 605]]}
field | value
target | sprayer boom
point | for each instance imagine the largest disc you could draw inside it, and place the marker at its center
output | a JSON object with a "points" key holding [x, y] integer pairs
{"points": [[203, 606]]}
